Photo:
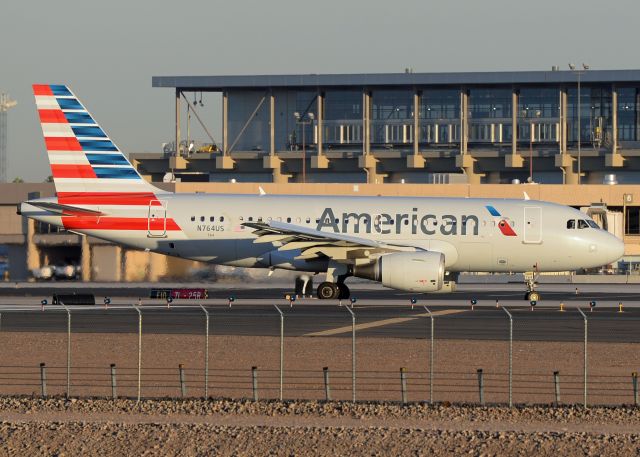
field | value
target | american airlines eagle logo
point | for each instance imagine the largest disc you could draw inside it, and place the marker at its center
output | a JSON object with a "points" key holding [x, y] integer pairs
{"points": [[503, 223]]}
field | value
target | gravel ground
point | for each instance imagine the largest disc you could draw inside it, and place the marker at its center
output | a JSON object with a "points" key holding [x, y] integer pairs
{"points": [[59, 427]]}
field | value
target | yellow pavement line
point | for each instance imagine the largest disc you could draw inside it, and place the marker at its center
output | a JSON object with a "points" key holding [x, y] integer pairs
{"points": [[382, 323]]}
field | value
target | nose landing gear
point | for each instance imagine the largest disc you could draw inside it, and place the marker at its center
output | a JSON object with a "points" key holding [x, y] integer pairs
{"points": [[530, 281]]}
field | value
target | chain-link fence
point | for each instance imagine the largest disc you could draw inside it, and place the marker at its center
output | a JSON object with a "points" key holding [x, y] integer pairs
{"points": [[485, 355]]}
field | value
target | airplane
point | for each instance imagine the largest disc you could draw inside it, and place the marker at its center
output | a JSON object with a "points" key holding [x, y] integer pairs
{"points": [[415, 244]]}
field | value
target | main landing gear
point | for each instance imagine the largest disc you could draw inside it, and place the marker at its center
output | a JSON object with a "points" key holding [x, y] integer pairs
{"points": [[530, 281], [328, 290], [334, 287]]}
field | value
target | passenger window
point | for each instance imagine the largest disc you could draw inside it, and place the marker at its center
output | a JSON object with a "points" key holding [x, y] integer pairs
{"points": [[289, 220], [260, 219], [241, 218], [250, 219], [201, 218], [592, 224], [571, 224], [211, 219], [221, 218], [193, 218], [308, 220], [406, 222], [582, 224]]}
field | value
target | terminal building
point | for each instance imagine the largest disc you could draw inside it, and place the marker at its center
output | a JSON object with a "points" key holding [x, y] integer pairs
{"points": [[571, 137], [551, 127]]}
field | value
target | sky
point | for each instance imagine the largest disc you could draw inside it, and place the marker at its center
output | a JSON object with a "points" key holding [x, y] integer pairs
{"points": [[107, 52]]}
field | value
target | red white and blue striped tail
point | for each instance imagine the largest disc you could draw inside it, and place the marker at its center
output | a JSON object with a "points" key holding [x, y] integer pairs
{"points": [[86, 165]]}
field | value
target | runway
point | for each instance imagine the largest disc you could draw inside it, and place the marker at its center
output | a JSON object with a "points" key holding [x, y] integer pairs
{"points": [[483, 323], [378, 312]]}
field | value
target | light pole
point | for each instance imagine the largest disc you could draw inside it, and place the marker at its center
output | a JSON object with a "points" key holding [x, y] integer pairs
{"points": [[585, 67], [304, 120]]}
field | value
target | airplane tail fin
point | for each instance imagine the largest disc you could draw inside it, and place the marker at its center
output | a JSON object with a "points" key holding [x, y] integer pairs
{"points": [[87, 167]]}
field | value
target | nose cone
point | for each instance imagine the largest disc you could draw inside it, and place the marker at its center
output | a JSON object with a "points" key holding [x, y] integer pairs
{"points": [[612, 249]]}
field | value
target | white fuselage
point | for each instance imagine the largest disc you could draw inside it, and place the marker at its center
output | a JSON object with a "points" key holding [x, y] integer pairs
{"points": [[471, 233]]}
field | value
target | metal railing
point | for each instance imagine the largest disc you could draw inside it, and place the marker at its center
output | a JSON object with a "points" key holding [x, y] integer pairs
{"points": [[495, 371]]}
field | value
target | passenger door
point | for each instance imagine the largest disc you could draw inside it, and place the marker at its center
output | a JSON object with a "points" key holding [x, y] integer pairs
{"points": [[532, 225], [157, 219]]}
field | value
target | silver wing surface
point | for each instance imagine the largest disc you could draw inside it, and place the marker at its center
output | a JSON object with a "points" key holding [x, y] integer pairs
{"points": [[314, 243]]}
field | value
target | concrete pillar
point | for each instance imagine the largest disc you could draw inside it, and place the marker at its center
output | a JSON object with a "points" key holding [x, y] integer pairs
{"points": [[464, 120], [563, 159], [464, 160], [514, 160], [320, 160], [85, 258], [178, 107], [225, 121], [272, 123], [614, 159], [33, 253], [272, 161], [367, 161], [416, 160], [225, 162]]}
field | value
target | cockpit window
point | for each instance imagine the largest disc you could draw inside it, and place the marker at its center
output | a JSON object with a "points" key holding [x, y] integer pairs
{"points": [[582, 224], [571, 224], [593, 224]]}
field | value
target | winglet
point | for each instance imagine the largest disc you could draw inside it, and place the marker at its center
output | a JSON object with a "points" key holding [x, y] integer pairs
{"points": [[526, 196]]}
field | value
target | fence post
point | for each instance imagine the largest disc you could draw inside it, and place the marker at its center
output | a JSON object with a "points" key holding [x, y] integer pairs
{"points": [[481, 385], [584, 316], [281, 349], [183, 385], [403, 384], [139, 350], [43, 380], [634, 382], [114, 394], [431, 351], [206, 352], [556, 387], [353, 353], [254, 382], [327, 389], [68, 349], [510, 356]]}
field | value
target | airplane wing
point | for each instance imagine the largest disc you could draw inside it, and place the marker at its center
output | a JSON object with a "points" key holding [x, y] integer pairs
{"points": [[315, 243]]}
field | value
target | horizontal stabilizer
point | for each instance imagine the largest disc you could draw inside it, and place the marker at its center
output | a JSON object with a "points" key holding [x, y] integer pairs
{"points": [[65, 210]]}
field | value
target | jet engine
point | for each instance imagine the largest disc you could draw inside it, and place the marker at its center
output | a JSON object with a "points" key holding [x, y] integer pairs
{"points": [[421, 271]]}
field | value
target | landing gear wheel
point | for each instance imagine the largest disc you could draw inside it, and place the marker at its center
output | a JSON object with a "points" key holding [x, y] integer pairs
{"points": [[328, 290], [343, 292], [534, 296]]}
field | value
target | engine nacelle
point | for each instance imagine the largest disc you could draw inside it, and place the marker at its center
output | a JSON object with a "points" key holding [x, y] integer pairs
{"points": [[411, 271]]}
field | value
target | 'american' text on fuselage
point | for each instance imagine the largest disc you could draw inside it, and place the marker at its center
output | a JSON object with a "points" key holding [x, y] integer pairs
{"points": [[383, 223]]}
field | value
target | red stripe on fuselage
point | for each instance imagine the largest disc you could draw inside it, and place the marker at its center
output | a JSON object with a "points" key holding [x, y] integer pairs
{"points": [[72, 171], [52, 116], [108, 198], [115, 223], [62, 144], [42, 89]]}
